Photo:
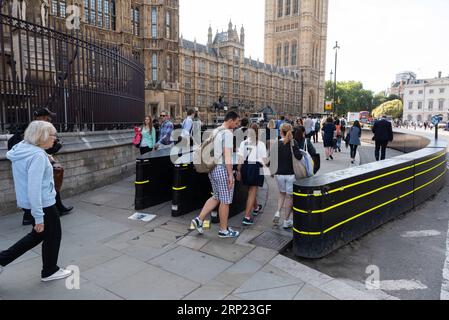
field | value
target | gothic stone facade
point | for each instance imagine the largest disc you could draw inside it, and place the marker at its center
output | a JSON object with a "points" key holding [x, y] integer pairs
{"points": [[181, 74], [295, 38], [221, 69]]}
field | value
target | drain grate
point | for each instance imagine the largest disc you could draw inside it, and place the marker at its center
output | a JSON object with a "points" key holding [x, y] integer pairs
{"points": [[271, 240]]}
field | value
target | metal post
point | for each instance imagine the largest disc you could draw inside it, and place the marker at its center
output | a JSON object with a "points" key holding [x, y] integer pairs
{"points": [[436, 132], [335, 77]]}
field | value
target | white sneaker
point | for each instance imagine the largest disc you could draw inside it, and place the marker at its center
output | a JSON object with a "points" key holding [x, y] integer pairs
{"points": [[58, 275], [288, 224], [276, 218]]}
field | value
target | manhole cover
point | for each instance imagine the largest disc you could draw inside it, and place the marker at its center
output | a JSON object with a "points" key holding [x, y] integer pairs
{"points": [[271, 240]]}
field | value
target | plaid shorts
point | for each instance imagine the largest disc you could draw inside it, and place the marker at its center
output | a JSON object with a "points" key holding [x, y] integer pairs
{"points": [[219, 181]]}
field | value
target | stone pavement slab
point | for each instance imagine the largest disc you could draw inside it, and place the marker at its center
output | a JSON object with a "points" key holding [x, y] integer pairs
{"points": [[269, 277], [213, 290], [239, 273], [192, 242], [227, 251], [280, 293], [114, 270], [309, 292], [191, 264], [153, 283]]}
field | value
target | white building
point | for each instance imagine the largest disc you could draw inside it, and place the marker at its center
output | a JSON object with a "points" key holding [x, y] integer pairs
{"points": [[426, 98]]}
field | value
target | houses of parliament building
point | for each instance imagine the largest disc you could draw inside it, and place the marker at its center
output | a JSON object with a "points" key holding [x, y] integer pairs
{"points": [[181, 73]]}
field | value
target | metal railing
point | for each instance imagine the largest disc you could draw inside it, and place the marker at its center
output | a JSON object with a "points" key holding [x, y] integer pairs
{"points": [[90, 85]]}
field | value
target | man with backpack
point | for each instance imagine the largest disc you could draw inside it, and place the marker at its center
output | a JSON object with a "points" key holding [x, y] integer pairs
{"points": [[221, 176]]}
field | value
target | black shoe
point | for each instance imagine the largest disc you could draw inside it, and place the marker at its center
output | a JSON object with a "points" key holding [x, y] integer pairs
{"points": [[332, 158], [63, 211]]}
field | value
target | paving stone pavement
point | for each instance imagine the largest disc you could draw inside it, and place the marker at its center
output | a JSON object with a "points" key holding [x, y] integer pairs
{"points": [[123, 259]]}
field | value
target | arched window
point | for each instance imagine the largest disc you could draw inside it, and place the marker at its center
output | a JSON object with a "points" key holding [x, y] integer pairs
{"points": [[280, 8], [279, 54], [288, 7], [286, 54], [295, 6], [294, 53]]}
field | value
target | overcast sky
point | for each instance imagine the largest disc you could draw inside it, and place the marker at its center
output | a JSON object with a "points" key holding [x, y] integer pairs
{"points": [[378, 38]]}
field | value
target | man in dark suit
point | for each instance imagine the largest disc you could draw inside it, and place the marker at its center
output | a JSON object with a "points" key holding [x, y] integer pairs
{"points": [[383, 134]]}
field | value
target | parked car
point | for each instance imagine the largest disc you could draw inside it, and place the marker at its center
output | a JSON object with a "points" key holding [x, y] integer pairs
{"points": [[443, 125]]}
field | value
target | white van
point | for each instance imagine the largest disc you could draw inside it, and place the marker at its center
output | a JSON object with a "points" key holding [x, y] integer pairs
{"points": [[257, 117]]}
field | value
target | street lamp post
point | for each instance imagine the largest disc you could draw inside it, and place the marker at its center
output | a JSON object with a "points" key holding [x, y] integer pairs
{"points": [[335, 76], [302, 94]]}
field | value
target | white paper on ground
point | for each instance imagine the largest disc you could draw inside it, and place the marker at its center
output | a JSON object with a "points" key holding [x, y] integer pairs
{"points": [[145, 217]]}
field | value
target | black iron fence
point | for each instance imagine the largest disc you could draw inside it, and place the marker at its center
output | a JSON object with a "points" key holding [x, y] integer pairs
{"points": [[89, 84]]}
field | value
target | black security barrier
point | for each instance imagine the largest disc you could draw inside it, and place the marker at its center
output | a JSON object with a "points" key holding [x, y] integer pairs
{"points": [[154, 178], [335, 209], [191, 190]]}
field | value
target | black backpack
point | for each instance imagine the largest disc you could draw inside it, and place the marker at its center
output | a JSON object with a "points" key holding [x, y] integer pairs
{"points": [[15, 139]]}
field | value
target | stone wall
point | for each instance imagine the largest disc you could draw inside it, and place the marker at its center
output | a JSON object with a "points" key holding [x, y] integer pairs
{"points": [[91, 160]]}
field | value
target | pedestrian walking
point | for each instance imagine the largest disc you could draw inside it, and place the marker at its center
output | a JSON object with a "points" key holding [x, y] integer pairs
{"points": [[35, 191], [221, 178], [166, 131], [383, 134], [252, 156], [44, 114], [338, 133], [148, 133], [285, 174], [309, 126], [329, 135], [355, 133]]}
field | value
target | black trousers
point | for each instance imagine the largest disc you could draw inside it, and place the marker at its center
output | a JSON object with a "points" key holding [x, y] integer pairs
{"points": [[381, 145], [51, 241], [353, 150], [144, 150]]}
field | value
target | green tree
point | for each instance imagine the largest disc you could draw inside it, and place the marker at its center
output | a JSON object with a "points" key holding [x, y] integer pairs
{"points": [[351, 97]]}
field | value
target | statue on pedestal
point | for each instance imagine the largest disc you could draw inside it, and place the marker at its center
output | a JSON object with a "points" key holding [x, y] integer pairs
{"points": [[44, 12]]}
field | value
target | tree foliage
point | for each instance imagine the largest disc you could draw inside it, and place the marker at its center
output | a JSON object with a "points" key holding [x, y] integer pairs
{"points": [[393, 108], [350, 97]]}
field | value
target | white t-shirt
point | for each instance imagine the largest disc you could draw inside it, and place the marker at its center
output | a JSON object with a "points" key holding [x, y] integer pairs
{"points": [[256, 153], [224, 139]]}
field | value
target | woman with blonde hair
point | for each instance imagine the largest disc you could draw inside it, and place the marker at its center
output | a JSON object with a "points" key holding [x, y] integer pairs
{"points": [[281, 153], [35, 190]]}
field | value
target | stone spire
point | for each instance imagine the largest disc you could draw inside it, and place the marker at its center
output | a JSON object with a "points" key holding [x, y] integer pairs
{"points": [[209, 36], [242, 35]]}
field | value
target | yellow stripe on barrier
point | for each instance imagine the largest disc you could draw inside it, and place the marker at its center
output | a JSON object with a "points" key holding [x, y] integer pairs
{"points": [[370, 179], [307, 233], [356, 198], [179, 189], [142, 182], [427, 161], [370, 210], [428, 170], [371, 192]]}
